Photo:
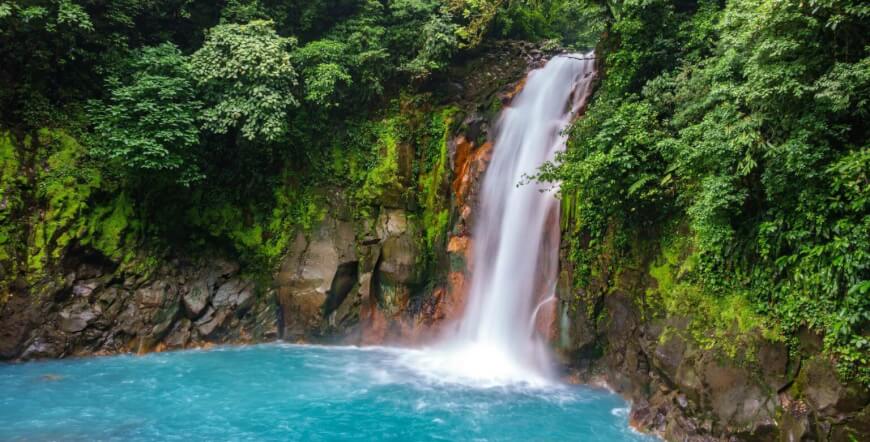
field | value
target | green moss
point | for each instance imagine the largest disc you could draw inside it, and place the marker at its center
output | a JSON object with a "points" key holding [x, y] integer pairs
{"points": [[10, 196], [261, 236], [64, 187], [725, 322], [433, 181], [11, 241], [59, 203], [296, 209], [109, 228], [384, 175]]}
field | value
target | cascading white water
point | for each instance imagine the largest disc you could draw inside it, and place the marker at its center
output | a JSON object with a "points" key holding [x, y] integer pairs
{"points": [[515, 236]]}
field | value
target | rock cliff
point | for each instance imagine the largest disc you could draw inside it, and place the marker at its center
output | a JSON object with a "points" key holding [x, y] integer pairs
{"points": [[696, 372], [388, 273]]}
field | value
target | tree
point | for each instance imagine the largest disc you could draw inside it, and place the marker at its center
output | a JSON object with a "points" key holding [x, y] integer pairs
{"points": [[150, 120], [477, 15], [247, 80]]}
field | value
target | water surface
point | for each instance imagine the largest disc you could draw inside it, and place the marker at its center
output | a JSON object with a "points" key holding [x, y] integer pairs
{"points": [[289, 392]]}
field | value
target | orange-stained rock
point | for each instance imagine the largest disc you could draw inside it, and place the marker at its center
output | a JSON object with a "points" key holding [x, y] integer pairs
{"points": [[507, 97], [374, 325], [462, 245], [458, 244], [460, 161], [470, 163], [437, 312], [457, 290], [466, 212]]}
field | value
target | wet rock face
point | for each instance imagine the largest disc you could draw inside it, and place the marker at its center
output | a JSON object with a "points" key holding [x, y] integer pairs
{"points": [[195, 298], [76, 318], [341, 268], [399, 250], [307, 272], [363, 280], [826, 394], [179, 305], [685, 392]]}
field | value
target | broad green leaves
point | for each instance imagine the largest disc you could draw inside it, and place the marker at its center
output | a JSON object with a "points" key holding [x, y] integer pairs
{"points": [[248, 80], [150, 121], [754, 135]]}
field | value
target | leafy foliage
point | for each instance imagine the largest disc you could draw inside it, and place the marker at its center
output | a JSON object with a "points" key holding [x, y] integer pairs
{"points": [[747, 120], [248, 80], [742, 120], [150, 123]]}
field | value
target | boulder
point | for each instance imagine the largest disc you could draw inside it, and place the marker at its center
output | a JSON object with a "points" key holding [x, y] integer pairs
{"points": [[210, 322], [235, 293], [223, 268], [735, 399], [111, 301], [83, 289], [668, 354], [245, 299], [196, 298], [76, 318], [824, 391], [180, 334], [307, 274], [400, 252], [40, 348], [129, 320], [773, 362], [399, 260], [163, 319], [151, 296]]}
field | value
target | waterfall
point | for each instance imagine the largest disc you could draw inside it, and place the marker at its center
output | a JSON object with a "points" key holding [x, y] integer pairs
{"points": [[515, 254], [516, 235]]}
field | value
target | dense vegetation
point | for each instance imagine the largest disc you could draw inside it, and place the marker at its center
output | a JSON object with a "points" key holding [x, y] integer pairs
{"points": [[194, 123], [736, 132], [733, 131]]}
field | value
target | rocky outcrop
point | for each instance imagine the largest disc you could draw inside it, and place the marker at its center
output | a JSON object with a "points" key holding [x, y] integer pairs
{"points": [[99, 309], [307, 276], [371, 279], [356, 276], [686, 391]]}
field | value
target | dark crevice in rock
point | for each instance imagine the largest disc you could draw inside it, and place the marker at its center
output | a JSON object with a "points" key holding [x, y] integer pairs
{"points": [[346, 276]]}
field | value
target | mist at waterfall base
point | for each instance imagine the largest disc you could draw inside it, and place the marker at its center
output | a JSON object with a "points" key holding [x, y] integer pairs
{"points": [[287, 392], [502, 336]]}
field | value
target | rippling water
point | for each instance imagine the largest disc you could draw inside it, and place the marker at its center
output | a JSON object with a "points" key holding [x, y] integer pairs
{"points": [[290, 392]]}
